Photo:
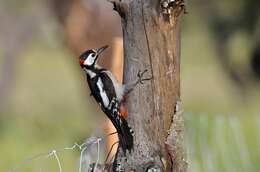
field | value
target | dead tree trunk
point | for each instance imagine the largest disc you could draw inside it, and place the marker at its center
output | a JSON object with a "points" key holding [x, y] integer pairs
{"points": [[151, 31]]}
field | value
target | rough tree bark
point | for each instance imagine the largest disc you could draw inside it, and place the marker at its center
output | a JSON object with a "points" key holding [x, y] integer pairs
{"points": [[151, 32]]}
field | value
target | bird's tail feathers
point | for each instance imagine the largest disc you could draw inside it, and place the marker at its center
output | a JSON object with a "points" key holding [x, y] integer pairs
{"points": [[125, 136], [125, 133]]}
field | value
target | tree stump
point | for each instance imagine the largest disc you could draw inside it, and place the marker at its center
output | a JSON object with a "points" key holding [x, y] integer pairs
{"points": [[151, 34]]}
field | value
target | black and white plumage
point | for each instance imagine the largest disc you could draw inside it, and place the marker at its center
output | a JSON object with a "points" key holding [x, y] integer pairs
{"points": [[109, 94], [102, 89]]}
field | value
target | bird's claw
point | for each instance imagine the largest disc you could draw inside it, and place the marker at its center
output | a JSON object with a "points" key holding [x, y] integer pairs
{"points": [[140, 76]]}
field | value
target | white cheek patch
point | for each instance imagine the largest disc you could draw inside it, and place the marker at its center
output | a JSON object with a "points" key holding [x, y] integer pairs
{"points": [[102, 93], [89, 60]]}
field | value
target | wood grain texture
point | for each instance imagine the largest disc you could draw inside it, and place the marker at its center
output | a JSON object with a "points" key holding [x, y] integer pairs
{"points": [[153, 43]]}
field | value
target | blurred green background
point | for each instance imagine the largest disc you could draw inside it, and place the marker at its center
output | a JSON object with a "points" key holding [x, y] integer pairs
{"points": [[44, 99]]}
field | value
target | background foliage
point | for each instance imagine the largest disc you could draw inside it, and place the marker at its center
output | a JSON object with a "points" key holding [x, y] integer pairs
{"points": [[45, 104]]}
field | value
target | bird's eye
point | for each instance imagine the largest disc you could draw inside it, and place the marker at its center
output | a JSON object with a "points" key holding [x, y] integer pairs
{"points": [[92, 55]]}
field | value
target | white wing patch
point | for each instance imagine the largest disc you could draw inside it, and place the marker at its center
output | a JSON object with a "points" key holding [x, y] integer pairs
{"points": [[119, 88], [102, 93]]}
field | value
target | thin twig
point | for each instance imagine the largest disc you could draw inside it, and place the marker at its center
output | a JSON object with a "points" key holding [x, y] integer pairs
{"points": [[110, 151], [58, 160], [81, 156], [98, 151]]}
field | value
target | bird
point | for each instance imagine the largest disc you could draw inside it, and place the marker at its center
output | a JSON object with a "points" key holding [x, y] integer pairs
{"points": [[110, 94]]}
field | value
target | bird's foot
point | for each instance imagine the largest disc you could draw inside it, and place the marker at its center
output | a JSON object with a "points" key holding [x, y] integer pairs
{"points": [[140, 76]]}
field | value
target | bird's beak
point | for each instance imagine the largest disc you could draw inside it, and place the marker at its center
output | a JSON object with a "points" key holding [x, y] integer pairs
{"points": [[100, 50]]}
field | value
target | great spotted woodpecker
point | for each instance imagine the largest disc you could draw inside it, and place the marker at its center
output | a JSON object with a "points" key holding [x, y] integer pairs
{"points": [[110, 94]]}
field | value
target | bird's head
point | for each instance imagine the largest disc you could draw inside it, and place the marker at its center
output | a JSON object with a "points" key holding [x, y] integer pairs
{"points": [[88, 58]]}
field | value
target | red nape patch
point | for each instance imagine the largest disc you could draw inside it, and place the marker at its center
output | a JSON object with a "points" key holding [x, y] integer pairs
{"points": [[123, 111], [81, 61]]}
